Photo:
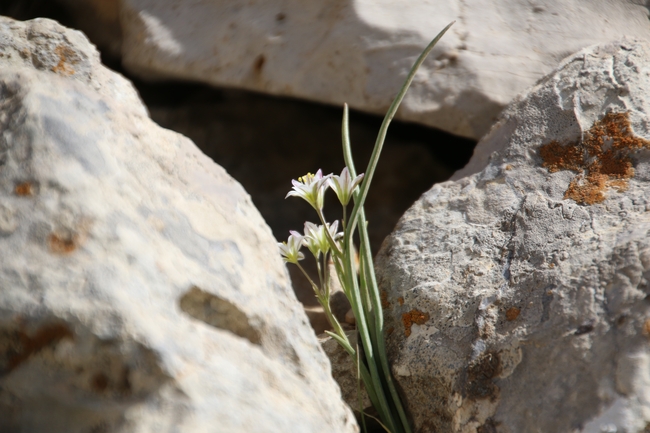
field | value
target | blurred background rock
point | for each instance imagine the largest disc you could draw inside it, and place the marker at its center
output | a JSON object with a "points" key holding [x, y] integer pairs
{"points": [[265, 141]]}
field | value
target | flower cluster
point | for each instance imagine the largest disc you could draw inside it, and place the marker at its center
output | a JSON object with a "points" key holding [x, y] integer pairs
{"points": [[319, 239], [324, 241], [311, 187]]}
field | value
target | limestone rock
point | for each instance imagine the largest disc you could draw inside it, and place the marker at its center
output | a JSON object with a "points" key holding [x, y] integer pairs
{"points": [[140, 290], [359, 51], [344, 372], [519, 292]]}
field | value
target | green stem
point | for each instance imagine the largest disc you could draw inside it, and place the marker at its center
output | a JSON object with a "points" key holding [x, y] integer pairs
{"points": [[375, 298], [364, 334], [388, 415], [332, 319], [326, 279], [381, 136], [340, 273], [319, 269], [367, 272], [313, 285]]}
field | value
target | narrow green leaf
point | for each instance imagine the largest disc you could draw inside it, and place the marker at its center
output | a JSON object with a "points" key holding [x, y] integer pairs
{"points": [[381, 136], [364, 295]]}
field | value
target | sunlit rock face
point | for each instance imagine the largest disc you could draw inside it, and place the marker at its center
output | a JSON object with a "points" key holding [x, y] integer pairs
{"points": [[529, 272], [140, 290], [359, 51]]}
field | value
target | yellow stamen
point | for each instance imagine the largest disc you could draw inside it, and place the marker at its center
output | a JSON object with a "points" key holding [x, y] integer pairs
{"points": [[306, 178]]}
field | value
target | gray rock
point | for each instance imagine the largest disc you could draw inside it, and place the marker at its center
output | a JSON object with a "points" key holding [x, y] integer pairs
{"points": [[519, 292], [140, 290], [344, 372], [360, 51]]}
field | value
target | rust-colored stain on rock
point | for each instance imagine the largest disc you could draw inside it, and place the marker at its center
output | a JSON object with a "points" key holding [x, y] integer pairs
{"points": [[384, 299], [512, 313], [61, 244], [602, 159], [66, 59], [413, 316], [19, 346], [24, 189], [646, 327], [258, 64], [479, 377]]}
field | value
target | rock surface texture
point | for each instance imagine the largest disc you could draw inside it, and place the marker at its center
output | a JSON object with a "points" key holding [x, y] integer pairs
{"points": [[140, 290], [359, 51], [519, 293]]}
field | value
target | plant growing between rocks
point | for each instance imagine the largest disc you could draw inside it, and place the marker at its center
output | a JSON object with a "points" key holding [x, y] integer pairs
{"points": [[358, 280]]}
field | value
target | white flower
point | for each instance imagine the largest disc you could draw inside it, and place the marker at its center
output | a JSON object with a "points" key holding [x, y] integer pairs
{"points": [[311, 187], [316, 238], [290, 250], [344, 185]]}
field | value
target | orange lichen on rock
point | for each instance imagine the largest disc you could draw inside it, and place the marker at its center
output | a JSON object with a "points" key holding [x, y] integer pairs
{"points": [[400, 300], [413, 316], [512, 313], [66, 55], [24, 189], [557, 157], [61, 244], [602, 159], [384, 299]]}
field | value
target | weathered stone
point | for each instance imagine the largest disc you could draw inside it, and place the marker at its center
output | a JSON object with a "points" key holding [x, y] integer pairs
{"points": [[531, 270], [359, 51], [140, 290], [344, 372]]}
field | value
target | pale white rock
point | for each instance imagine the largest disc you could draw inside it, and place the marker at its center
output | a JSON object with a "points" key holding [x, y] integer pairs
{"points": [[536, 296], [359, 51], [140, 289]]}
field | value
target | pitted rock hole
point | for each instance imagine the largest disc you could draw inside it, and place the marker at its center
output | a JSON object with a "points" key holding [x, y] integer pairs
{"points": [[17, 346], [490, 426], [219, 313], [60, 378], [479, 377], [110, 369]]}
